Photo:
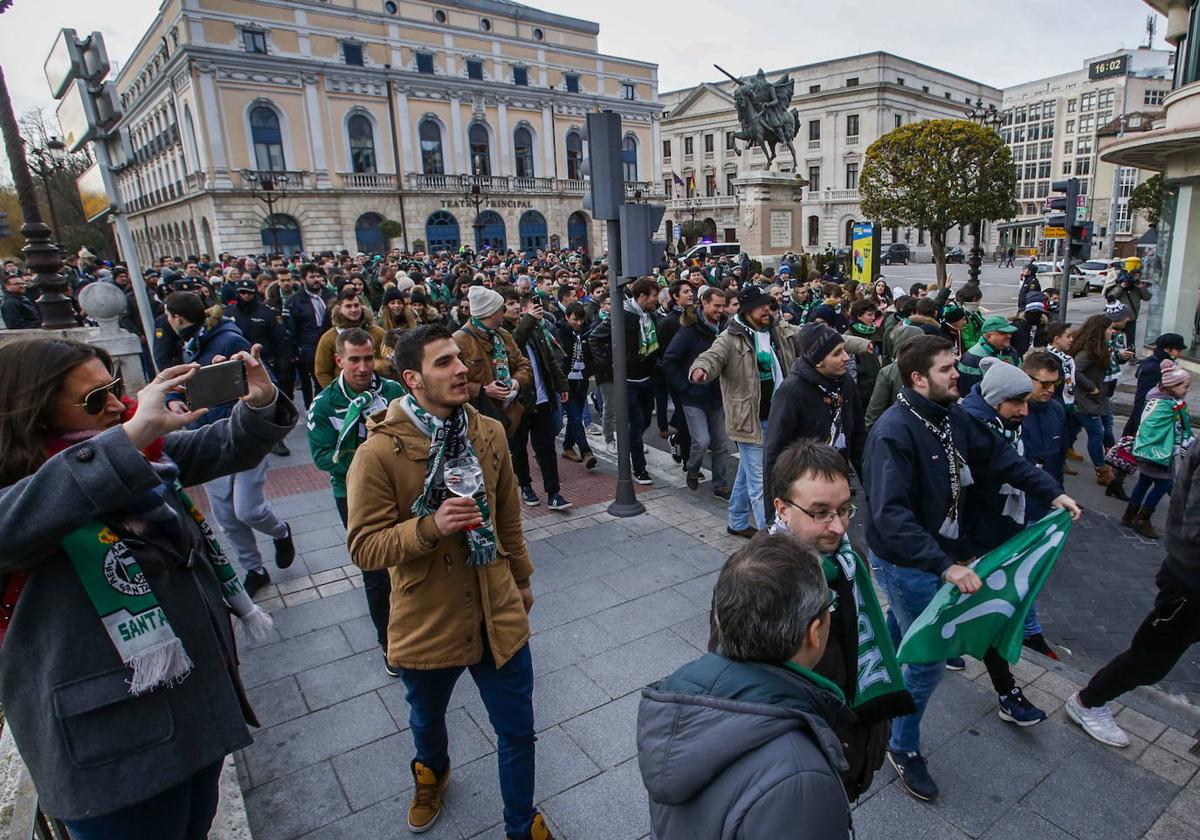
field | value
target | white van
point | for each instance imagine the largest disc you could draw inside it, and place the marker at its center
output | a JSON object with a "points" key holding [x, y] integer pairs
{"points": [[699, 253]]}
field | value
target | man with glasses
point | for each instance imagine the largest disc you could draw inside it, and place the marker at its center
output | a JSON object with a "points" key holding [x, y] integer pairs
{"points": [[812, 501], [19, 312]]}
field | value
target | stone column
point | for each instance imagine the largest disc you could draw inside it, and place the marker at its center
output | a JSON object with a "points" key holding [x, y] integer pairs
{"points": [[770, 221]]}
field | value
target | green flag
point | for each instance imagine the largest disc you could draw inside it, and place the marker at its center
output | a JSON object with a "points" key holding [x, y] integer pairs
{"points": [[993, 617]]}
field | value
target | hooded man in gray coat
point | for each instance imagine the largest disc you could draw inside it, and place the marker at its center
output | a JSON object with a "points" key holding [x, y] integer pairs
{"points": [[743, 744]]}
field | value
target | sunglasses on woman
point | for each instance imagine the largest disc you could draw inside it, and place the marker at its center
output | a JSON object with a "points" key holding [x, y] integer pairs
{"points": [[97, 398]]}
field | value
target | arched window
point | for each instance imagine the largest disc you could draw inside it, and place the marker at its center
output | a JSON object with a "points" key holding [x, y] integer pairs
{"points": [[481, 151], [368, 235], [577, 230], [441, 232], [489, 231], [362, 143], [523, 150], [532, 229], [574, 156], [849, 233], [281, 234], [268, 139], [814, 231], [629, 157], [432, 162]]}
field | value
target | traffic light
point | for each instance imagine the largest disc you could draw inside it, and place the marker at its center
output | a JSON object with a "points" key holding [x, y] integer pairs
{"points": [[1081, 241], [1062, 207], [5, 226], [640, 252], [606, 192]]}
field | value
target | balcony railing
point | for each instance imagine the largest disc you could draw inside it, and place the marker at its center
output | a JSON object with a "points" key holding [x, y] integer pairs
{"points": [[504, 184], [852, 140], [290, 179], [839, 195], [814, 145], [373, 181]]}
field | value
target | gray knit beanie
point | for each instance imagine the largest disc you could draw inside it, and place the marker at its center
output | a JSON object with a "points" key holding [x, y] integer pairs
{"points": [[1002, 381]]}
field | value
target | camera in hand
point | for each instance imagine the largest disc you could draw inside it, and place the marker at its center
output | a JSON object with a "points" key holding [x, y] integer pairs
{"points": [[216, 384]]}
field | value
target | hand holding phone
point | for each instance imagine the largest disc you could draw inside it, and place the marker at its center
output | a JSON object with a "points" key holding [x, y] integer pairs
{"points": [[217, 383]]}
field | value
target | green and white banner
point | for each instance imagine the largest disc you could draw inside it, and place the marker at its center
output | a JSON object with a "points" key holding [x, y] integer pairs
{"points": [[993, 617]]}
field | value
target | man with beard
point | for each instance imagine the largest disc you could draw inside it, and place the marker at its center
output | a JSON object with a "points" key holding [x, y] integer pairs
{"points": [[349, 312], [307, 308], [261, 324], [920, 456]]}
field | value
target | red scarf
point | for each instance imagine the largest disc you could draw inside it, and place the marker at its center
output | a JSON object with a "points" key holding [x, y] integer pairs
{"points": [[58, 443]]}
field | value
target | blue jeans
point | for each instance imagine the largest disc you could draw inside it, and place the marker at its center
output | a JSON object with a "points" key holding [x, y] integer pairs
{"points": [[1148, 492], [1094, 426], [641, 404], [909, 591], [576, 407], [182, 812], [507, 694], [1033, 627], [747, 493], [706, 425]]}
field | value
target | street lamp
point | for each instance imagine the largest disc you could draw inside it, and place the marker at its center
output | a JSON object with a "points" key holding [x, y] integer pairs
{"points": [[990, 118], [44, 169], [268, 187], [476, 196]]}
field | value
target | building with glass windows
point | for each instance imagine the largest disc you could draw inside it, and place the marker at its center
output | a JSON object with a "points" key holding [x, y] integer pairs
{"points": [[844, 104], [1055, 127], [304, 124], [1172, 147]]}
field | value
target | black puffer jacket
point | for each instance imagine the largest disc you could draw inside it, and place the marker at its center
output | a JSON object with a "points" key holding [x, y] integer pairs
{"points": [[692, 339]]}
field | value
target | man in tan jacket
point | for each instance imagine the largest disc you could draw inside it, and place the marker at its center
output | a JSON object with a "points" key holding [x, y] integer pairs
{"points": [[432, 498], [497, 371]]}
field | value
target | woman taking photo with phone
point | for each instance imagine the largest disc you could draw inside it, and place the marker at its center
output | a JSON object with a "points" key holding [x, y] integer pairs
{"points": [[118, 669]]}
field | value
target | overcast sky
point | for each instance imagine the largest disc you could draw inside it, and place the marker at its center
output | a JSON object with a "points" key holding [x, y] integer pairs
{"points": [[997, 43]]}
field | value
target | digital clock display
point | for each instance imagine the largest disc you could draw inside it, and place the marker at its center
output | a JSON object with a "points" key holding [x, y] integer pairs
{"points": [[1108, 67]]}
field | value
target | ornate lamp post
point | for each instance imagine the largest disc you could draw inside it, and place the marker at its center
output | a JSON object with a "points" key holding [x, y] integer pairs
{"points": [[988, 117], [44, 169], [42, 256], [476, 196], [268, 187]]}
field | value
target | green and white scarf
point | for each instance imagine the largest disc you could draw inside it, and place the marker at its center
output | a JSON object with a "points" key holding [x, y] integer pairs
{"points": [[499, 356], [364, 403], [647, 334], [878, 690], [448, 439], [983, 350], [129, 610]]}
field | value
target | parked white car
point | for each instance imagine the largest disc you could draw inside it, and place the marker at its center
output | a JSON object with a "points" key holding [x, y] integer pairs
{"points": [[1049, 273], [1095, 271]]}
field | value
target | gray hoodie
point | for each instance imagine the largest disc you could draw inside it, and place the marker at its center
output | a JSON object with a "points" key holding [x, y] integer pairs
{"points": [[732, 750]]}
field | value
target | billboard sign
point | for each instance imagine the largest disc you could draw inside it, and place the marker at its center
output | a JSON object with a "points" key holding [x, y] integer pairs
{"points": [[864, 252], [92, 194]]}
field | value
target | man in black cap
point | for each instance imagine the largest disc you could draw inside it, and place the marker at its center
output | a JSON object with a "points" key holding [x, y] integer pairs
{"points": [[1149, 374], [261, 324], [749, 358], [818, 400], [168, 349]]}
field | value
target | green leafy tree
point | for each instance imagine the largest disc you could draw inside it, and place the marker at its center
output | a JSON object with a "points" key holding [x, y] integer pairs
{"points": [[936, 175], [692, 230], [391, 230], [1147, 198]]}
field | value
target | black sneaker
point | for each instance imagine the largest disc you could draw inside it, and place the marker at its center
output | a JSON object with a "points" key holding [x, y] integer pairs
{"points": [[285, 550], [280, 448], [693, 482], [673, 442], [387, 667], [255, 581], [956, 663], [722, 493], [1016, 708], [589, 461], [643, 477], [914, 775], [557, 502], [529, 497]]}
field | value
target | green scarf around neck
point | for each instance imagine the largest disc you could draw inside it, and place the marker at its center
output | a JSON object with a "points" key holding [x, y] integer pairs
{"points": [[448, 439], [499, 355]]}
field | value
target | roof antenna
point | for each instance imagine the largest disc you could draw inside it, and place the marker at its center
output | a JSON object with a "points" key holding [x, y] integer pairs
{"points": [[1151, 28]]}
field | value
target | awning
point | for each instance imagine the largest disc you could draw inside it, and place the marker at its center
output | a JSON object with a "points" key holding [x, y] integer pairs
{"points": [[1021, 223], [1150, 237]]}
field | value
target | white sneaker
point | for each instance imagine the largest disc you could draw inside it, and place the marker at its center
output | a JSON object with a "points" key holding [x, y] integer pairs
{"points": [[1097, 722]]}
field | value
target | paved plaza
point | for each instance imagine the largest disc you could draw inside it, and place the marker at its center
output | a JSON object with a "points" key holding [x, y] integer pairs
{"points": [[622, 603]]}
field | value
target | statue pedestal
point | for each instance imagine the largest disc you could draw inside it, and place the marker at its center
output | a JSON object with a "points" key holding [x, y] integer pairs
{"points": [[770, 223]]}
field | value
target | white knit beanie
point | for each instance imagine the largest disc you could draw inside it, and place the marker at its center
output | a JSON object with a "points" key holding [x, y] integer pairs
{"points": [[484, 301]]}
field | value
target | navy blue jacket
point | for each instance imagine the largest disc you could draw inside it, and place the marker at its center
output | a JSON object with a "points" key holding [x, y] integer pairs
{"points": [[689, 342], [222, 339], [1149, 375], [989, 527], [907, 482], [306, 332], [1045, 434]]}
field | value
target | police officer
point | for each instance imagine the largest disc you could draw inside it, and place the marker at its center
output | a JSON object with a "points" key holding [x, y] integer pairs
{"points": [[168, 349], [261, 324]]}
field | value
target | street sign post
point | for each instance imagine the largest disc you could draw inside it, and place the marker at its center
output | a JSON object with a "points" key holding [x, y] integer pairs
{"points": [[1054, 232]]}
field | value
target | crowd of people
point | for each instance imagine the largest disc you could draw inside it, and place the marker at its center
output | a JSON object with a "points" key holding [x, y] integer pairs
{"points": [[427, 379]]}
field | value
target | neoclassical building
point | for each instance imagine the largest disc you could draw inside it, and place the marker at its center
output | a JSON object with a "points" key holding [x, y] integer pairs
{"points": [[844, 105], [303, 124]]}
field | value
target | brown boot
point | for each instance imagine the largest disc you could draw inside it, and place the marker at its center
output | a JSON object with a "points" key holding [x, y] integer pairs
{"points": [[1069, 470], [1130, 514], [1104, 475], [538, 830], [1073, 455], [426, 804], [1141, 524]]}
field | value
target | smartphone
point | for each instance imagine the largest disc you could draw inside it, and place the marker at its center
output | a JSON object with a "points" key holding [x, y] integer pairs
{"points": [[217, 384]]}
